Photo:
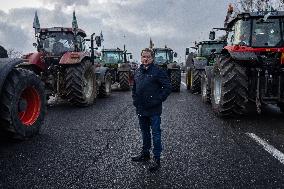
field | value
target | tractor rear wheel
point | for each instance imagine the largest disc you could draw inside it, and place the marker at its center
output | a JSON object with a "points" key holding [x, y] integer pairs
{"points": [[205, 88], [175, 80], [80, 84], [124, 80], [105, 88], [229, 88], [23, 103]]}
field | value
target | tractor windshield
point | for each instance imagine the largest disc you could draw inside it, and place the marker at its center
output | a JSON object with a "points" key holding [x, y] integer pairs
{"points": [[57, 43], [205, 49], [163, 56], [242, 32], [114, 57], [266, 33]]}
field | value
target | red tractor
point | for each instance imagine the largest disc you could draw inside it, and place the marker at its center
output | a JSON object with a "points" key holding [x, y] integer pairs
{"points": [[62, 66], [251, 67]]}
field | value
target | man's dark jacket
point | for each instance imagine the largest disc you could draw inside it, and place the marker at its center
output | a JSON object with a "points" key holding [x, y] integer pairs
{"points": [[151, 87]]}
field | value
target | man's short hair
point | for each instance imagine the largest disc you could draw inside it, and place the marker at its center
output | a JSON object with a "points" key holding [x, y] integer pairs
{"points": [[148, 50]]}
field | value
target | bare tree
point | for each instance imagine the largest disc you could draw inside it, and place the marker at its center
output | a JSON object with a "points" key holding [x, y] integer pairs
{"points": [[259, 5], [12, 53]]}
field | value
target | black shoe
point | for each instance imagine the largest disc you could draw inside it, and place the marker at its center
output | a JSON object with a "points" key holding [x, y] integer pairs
{"points": [[155, 165], [141, 158]]}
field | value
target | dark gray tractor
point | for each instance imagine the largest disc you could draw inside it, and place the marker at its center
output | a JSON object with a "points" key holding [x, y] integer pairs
{"points": [[198, 65], [117, 61], [164, 59]]}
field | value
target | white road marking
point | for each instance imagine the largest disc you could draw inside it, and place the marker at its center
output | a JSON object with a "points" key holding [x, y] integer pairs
{"points": [[267, 147], [183, 83]]}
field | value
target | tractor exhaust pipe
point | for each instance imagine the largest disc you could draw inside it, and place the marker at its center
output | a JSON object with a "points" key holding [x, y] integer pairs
{"points": [[92, 49]]}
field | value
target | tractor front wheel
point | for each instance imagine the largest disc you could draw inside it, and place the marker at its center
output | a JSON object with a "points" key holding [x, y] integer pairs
{"points": [[195, 81], [205, 88], [105, 88], [229, 87], [80, 84], [124, 80], [175, 80]]}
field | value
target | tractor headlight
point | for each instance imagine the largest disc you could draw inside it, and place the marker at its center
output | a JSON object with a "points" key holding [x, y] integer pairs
{"points": [[119, 65]]}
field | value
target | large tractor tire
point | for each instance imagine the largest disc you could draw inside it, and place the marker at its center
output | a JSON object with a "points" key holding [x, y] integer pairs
{"points": [[205, 88], [175, 76], [187, 79], [194, 81], [105, 88], [22, 103], [80, 84], [124, 80], [229, 88]]}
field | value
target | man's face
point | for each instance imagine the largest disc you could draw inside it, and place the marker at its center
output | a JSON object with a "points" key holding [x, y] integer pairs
{"points": [[146, 58]]}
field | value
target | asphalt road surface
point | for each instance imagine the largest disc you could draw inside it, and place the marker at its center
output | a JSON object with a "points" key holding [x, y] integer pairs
{"points": [[91, 148]]}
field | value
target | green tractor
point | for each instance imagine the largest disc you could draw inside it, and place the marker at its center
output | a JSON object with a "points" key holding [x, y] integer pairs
{"points": [[203, 58], [164, 57], [117, 60]]}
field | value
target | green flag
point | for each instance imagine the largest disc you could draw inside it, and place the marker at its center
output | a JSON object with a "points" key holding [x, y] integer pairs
{"points": [[36, 24], [74, 22]]}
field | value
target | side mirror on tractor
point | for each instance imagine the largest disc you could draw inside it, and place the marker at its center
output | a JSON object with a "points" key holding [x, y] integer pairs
{"points": [[187, 51], [212, 35], [131, 57], [175, 54], [98, 41]]}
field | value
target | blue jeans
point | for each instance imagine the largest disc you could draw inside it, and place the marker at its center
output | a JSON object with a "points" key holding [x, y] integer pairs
{"points": [[148, 123]]}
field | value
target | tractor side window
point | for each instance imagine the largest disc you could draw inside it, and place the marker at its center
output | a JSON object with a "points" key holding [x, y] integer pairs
{"points": [[242, 32], [266, 33], [170, 55], [230, 38], [199, 50], [81, 43]]}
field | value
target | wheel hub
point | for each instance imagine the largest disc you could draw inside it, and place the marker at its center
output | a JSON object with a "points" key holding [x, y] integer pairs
{"points": [[29, 106], [217, 89]]}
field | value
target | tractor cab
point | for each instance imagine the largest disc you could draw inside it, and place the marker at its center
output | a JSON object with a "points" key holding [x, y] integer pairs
{"points": [[118, 61], [257, 30], [57, 41], [164, 56], [112, 57], [207, 48]]}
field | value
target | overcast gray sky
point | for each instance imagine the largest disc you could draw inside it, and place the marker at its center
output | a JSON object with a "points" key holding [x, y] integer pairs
{"points": [[175, 23]]}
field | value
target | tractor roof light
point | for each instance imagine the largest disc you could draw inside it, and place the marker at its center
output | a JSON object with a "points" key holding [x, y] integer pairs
{"points": [[246, 15], [240, 16]]}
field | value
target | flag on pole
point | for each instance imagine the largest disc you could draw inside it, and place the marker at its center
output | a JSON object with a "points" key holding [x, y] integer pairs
{"points": [[151, 43], [36, 24], [74, 22], [102, 37]]}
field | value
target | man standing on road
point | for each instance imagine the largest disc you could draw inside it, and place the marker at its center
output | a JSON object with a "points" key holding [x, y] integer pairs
{"points": [[151, 87]]}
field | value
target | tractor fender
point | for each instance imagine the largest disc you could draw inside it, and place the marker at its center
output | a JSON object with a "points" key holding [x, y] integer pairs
{"points": [[209, 73], [74, 57], [6, 65], [100, 74], [173, 66], [34, 60], [242, 54], [199, 63], [124, 67]]}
